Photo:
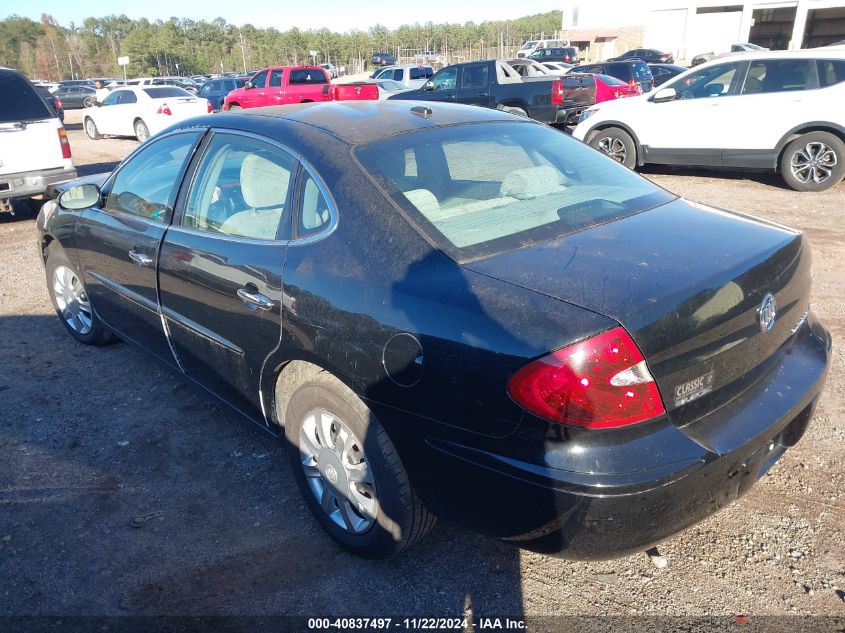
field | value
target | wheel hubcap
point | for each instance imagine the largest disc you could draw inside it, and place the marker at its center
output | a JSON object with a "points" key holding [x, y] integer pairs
{"points": [[90, 128], [72, 300], [337, 471], [614, 148], [814, 162]]}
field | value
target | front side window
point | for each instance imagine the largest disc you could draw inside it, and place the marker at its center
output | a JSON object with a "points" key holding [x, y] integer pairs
{"points": [[127, 96], [421, 73], [715, 81], [113, 98], [260, 79], [146, 184], [206, 89], [777, 75], [479, 189], [446, 79], [240, 188]]}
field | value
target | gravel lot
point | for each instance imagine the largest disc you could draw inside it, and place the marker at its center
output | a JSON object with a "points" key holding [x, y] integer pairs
{"points": [[126, 490]]}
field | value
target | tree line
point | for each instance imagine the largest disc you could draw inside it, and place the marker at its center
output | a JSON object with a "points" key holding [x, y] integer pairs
{"points": [[47, 50]]}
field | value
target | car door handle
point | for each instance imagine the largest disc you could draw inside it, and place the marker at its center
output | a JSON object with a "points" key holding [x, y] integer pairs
{"points": [[254, 299], [482, 94], [140, 259]]}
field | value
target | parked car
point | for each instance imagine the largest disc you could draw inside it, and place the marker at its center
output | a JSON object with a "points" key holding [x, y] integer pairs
{"points": [[648, 55], [495, 365], [779, 111], [331, 70], [386, 87], [77, 96], [142, 111], [382, 59], [634, 72], [568, 55], [282, 85], [215, 90], [745, 47], [496, 84], [409, 75], [77, 82], [534, 45], [52, 101], [557, 68], [34, 151], [664, 72], [608, 88]]}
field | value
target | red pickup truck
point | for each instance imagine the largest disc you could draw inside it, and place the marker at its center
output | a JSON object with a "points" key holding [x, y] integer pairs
{"points": [[281, 85]]}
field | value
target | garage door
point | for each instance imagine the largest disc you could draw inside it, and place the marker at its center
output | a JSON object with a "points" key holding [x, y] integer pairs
{"points": [[665, 31]]}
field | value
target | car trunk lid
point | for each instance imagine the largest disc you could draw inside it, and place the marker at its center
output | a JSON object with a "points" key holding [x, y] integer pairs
{"points": [[30, 146], [688, 283]]}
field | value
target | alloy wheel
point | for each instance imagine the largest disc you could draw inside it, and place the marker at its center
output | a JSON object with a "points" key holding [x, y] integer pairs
{"points": [[337, 471], [613, 147], [815, 162], [72, 300]]}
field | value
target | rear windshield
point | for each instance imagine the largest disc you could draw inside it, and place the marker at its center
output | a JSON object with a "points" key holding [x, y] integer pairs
{"points": [[307, 76], [20, 102], [161, 92], [422, 73], [480, 189]]}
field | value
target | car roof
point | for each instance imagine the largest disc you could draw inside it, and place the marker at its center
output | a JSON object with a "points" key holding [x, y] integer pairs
{"points": [[354, 122], [810, 53]]}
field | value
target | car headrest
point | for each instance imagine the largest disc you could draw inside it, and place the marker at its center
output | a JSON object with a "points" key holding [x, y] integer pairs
{"points": [[260, 225], [531, 182], [264, 184], [425, 202]]}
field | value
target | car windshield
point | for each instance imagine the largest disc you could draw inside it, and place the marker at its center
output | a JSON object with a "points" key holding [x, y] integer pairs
{"points": [[528, 45], [162, 92], [480, 189], [20, 102]]}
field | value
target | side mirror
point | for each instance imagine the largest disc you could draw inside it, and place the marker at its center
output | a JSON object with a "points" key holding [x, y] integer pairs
{"points": [[80, 197], [428, 86], [248, 85], [664, 95]]}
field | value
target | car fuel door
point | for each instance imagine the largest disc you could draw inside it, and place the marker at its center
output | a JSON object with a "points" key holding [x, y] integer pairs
{"points": [[220, 272]]}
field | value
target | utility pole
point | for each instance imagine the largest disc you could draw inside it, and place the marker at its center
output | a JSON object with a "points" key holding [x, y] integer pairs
{"points": [[70, 60], [243, 51]]}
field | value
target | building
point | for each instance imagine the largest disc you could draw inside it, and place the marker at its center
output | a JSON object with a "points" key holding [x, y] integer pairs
{"points": [[604, 28]]}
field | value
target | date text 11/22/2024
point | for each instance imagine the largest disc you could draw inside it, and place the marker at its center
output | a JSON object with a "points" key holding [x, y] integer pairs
{"points": [[416, 624]]}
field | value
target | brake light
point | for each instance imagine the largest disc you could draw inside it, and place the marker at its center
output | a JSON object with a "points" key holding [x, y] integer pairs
{"points": [[64, 143], [557, 92], [633, 82], [57, 104], [210, 107], [163, 109], [601, 382]]}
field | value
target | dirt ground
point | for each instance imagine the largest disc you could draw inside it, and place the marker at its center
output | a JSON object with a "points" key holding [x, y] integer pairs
{"points": [[126, 490]]}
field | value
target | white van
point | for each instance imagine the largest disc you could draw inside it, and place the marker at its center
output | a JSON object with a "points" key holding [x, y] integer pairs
{"points": [[534, 45], [34, 150]]}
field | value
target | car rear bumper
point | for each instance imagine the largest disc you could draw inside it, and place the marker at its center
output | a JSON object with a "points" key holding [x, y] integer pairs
{"points": [[685, 474], [33, 183]]}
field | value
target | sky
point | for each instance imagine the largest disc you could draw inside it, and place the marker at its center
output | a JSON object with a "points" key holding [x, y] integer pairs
{"points": [[336, 15]]}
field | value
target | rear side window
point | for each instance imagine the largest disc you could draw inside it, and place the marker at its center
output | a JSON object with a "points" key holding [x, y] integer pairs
{"points": [[398, 74], [160, 92], [20, 102], [127, 96], [307, 76], [476, 190], [777, 75], [831, 71], [275, 78], [314, 214], [475, 77]]}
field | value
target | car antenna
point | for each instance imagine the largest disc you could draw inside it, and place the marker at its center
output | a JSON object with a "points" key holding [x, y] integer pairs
{"points": [[422, 111]]}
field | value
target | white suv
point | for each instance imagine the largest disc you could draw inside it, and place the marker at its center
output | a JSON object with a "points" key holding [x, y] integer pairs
{"points": [[782, 111], [34, 150]]}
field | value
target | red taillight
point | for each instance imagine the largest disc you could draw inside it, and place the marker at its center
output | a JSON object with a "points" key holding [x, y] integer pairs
{"points": [[557, 92], [210, 107], [57, 104], [163, 109], [599, 383], [633, 82], [64, 143]]}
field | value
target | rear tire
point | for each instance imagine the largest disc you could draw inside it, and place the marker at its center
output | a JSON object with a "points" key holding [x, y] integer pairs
{"points": [[617, 144], [70, 300], [91, 129], [382, 515], [514, 110], [89, 102], [235, 107], [813, 162], [142, 132]]}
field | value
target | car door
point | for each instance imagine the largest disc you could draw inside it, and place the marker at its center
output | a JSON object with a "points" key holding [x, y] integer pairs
{"points": [[220, 271], [125, 113], [275, 87], [104, 113], [444, 85], [692, 128], [118, 240], [255, 96], [475, 85]]}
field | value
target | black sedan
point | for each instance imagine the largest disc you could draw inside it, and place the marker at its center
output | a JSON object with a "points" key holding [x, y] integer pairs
{"points": [[664, 72], [648, 55], [452, 311], [52, 102], [77, 96]]}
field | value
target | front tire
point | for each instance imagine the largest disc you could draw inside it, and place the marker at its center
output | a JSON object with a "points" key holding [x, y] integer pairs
{"points": [[70, 300], [617, 144], [142, 132], [91, 129], [813, 162], [349, 471]]}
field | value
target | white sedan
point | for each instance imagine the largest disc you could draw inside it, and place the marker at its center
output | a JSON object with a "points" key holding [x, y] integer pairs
{"points": [[142, 111]]}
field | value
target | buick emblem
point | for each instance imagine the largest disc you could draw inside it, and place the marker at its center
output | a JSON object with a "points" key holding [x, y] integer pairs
{"points": [[331, 474], [768, 312]]}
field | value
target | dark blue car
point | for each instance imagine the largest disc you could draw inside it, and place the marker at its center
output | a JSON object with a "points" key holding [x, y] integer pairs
{"points": [[215, 90]]}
